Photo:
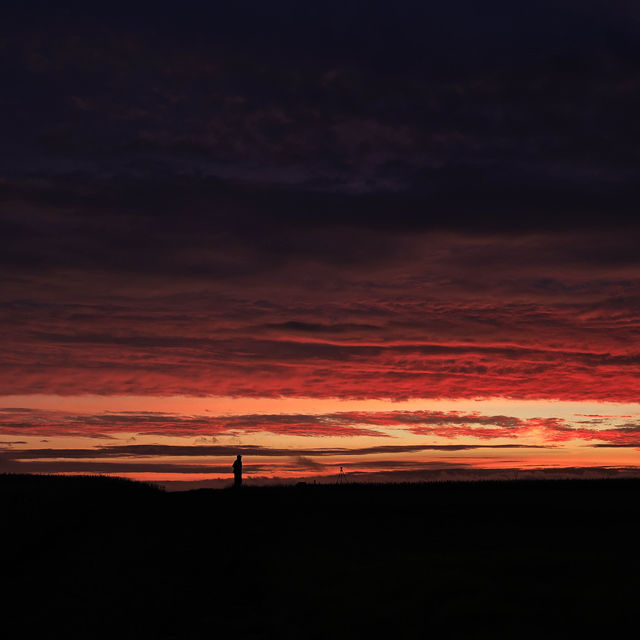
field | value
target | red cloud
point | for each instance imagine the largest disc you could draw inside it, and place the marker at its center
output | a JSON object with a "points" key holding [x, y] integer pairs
{"points": [[430, 316], [453, 425]]}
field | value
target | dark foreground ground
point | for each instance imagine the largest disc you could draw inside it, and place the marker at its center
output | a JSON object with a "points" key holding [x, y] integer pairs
{"points": [[96, 557]]}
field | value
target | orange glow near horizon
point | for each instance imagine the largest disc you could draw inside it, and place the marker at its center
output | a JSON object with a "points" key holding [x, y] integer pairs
{"points": [[193, 439]]}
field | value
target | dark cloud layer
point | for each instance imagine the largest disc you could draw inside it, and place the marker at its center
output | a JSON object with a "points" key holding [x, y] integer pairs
{"points": [[141, 450], [505, 105], [157, 459]]}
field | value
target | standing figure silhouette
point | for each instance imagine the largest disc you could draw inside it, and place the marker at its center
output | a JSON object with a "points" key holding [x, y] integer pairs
{"points": [[237, 472]]}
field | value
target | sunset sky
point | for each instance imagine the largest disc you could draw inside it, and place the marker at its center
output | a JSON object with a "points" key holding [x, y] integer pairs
{"points": [[400, 237]]}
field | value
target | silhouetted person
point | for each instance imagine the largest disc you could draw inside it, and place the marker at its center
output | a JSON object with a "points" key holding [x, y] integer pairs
{"points": [[237, 472]]}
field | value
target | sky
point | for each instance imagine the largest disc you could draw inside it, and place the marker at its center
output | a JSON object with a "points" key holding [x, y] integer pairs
{"points": [[397, 237]]}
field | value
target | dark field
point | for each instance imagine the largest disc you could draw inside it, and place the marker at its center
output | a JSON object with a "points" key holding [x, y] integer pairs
{"points": [[97, 557]]}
